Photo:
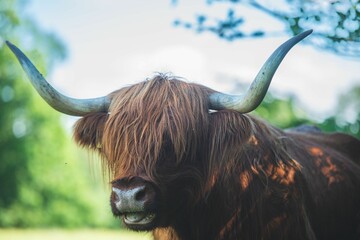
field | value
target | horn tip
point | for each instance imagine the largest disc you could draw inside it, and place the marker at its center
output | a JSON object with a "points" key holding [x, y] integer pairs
{"points": [[10, 45], [13, 48], [306, 33]]}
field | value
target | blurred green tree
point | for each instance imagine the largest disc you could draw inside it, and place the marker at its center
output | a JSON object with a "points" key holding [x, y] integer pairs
{"points": [[282, 112], [335, 23], [286, 113], [41, 183], [347, 118]]}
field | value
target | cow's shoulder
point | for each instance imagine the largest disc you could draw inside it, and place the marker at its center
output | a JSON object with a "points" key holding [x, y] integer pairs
{"points": [[340, 142]]}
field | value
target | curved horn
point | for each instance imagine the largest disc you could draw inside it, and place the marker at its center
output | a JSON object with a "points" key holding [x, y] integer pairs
{"points": [[257, 91], [60, 102]]}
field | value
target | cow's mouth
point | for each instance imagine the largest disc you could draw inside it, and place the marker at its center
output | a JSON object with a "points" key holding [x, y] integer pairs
{"points": [[139, 220]]}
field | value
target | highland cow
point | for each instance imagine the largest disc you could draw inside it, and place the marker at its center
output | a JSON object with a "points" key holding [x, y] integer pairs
{"points": [[188, 162]]}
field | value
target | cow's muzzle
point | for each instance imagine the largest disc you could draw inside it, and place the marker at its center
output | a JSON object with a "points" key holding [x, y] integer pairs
{"points": [[135, 202]]}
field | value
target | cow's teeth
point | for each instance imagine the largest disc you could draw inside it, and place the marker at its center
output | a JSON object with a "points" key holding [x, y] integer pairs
{"points": [[138, 218]]}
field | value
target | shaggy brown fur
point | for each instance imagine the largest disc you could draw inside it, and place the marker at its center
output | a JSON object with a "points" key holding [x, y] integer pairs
{"points": [[226, 175]]}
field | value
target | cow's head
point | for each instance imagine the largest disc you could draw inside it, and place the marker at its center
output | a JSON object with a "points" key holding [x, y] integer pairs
{"points": [[156, 137]]}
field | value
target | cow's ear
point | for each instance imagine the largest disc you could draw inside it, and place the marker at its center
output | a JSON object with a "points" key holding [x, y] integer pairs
{"points": [[88, 130]]}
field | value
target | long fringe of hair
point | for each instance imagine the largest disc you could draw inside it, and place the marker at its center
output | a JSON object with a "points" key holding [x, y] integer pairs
{"points": [[166, 117]]}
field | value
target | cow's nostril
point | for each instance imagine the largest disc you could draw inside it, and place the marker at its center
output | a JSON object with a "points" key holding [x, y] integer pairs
{"points": [[140, 195]]}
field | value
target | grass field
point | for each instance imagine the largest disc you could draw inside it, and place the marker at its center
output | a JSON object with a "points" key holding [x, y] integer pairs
{"points": [[60, 234]]}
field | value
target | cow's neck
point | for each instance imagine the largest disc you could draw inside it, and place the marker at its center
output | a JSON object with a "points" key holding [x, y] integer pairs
{"points": [[209, 219]]}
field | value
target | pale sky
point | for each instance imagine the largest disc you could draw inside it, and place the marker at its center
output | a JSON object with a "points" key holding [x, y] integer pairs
{"points": [[114, 43]]}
